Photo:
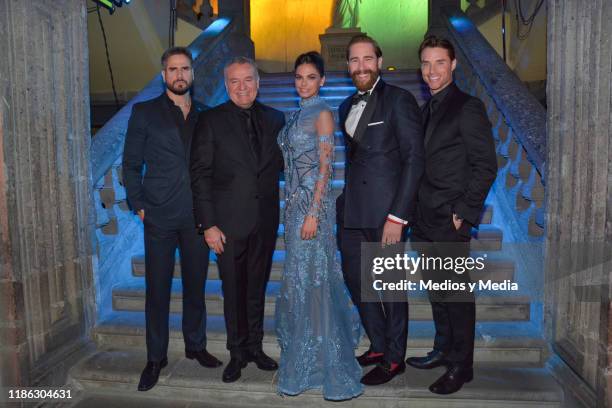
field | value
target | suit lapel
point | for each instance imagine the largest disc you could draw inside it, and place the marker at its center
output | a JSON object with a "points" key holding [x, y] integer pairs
{"points": [[174, 135], [345, 107], [436, 118], [266, 135], [362, 125]]}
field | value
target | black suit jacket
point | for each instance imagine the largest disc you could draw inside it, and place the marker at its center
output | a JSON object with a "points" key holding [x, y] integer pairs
{"points": [[460, 164], [231, 189], [153, 144], [384, 159]]}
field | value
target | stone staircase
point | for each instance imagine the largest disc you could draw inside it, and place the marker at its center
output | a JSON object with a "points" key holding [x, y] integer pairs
{"points": [[510, 352]]}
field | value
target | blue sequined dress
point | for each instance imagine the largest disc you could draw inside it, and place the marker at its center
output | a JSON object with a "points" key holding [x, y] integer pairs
{"points": [[316, 327]]}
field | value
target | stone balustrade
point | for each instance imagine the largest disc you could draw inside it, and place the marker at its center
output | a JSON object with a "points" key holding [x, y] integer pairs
{"points": [[518, 120]]}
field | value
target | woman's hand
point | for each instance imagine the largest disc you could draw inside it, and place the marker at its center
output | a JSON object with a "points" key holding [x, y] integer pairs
{"points": [[309, 227]]}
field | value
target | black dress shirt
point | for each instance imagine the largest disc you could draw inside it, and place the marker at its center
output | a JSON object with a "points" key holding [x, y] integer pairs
{"points": [[434, 102], [186, 126], [250, 121]]}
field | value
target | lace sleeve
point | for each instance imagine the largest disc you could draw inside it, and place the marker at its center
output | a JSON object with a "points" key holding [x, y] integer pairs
{"points": [[325, 151]]}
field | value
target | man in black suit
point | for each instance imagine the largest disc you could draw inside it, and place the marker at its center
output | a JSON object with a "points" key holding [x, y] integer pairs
{"points": [[158, 140], [235, 166], [460, 167], [384, 140]]}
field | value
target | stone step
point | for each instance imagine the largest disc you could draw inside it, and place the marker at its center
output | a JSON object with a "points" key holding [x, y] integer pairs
{"points": [[496, 269], [341, 88], [289, 106], [412, 83], [333, 96], [487, 216], [334, 76], [271, 88], [340, 153], [115, 374], [131, 297], [485, 238], [516, 343]]}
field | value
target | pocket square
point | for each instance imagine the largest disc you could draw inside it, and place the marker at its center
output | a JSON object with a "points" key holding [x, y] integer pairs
{"points": [[376, 123]]}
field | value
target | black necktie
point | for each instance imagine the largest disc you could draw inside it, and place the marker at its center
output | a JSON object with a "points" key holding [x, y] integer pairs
{"points": [[251, 128], [360, 97], [432, 105]]}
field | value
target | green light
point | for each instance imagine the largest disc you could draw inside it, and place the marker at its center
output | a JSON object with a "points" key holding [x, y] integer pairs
{"points": [[108, 4], [398, 26]]}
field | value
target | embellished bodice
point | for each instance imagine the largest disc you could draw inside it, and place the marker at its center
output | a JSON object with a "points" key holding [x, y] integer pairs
{"points": [[308, 158]]}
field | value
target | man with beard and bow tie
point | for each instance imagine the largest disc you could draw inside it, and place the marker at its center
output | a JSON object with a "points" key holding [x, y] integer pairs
{"points": [[384, 140]]}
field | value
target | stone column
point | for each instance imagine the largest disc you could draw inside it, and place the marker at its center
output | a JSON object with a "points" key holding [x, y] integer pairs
{"points": [[436, 23], [579, 187], [46, 296]]}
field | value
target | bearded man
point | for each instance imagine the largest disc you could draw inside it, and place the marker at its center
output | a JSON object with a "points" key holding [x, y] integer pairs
{"points": [[156, 175], [384, 141]]}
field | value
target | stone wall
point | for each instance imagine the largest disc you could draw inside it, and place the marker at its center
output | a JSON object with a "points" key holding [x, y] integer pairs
{"points": [[579, 183], [519, 126], [46, 297]]}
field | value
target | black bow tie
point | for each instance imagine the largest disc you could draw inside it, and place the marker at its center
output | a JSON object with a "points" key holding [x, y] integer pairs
{"points": [[360, 97]]}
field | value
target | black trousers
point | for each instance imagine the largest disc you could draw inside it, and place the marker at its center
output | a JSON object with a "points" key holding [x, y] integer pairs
{"points": [[160, 248], [245, 267], [454, 312], [385, 322]]}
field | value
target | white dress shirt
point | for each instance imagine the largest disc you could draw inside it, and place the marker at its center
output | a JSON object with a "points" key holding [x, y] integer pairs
{"points": [[356, 111], [351, 125]]}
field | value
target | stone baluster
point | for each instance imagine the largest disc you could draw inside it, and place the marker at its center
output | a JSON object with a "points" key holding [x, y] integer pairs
{"points": [[514, 158], [107, 197]]}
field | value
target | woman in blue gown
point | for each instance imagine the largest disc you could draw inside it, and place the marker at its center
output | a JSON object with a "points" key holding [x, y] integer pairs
{"points": [[316, 327]]}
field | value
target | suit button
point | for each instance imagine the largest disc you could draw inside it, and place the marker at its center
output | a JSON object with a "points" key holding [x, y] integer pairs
{"points": [[364, 182], [258, 174], [256, 196]]}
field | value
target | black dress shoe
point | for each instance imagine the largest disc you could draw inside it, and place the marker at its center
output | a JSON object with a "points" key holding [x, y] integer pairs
{"points": [[452, 380], [433, 359], [204, 358], [262, 361], [150, 374], [364, 360], [232, 370], [382, 373]]}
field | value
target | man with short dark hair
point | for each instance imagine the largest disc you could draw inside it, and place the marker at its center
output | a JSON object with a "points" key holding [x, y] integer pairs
{"points": [[158, 142], [235, 168], [460, 167], [384, 140]]}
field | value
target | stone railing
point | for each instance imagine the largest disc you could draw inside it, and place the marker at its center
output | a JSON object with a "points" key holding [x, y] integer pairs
{"points": [[118, 230], [519, 124]]}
